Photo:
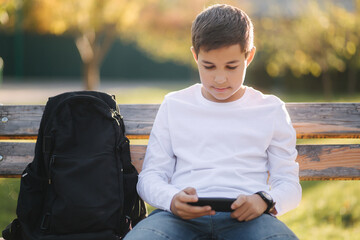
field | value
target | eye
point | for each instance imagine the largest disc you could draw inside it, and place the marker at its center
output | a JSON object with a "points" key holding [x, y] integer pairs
{"points": [[209, 67], [231, 67]]}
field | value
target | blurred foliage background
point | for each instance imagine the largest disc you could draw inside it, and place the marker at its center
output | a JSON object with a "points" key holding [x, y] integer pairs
{"points": [[308, 45]]}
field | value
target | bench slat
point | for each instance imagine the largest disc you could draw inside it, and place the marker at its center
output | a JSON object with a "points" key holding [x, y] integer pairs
{"points": [[311, 120], [327, 162], [16, 155], [317, 162], [23, 120], [325, 120]]}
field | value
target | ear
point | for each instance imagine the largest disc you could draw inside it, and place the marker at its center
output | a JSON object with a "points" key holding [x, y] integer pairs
{"points": [[194, 54], [250, 56]]}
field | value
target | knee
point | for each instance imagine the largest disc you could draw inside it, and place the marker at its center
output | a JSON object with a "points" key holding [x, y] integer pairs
{"points": [[155, 227], [274, 229]]}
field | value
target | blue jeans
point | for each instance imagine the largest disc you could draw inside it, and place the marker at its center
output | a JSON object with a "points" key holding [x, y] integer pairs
{"points": [[165, 225]]}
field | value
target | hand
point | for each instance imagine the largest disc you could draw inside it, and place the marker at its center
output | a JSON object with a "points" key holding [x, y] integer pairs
{"points": [[248, 207], [180, 207]]}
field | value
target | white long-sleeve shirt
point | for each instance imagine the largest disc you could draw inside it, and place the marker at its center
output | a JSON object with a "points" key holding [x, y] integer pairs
{"points": [[221, 149]]}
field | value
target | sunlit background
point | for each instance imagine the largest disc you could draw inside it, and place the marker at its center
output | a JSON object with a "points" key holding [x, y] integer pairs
{"points": [[307, 50]]}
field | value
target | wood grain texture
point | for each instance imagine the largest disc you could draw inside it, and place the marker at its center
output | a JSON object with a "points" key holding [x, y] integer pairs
{"points": [[22, 120], [326, 162], [325, 120], [311, 120], [317, 162], [15, 156]]}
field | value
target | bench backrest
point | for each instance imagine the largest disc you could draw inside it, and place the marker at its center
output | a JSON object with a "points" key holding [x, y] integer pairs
{"points": [[19, 125]]}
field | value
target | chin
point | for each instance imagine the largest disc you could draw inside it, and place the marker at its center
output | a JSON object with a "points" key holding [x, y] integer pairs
{"points": [[222, 98], [217, 99]]}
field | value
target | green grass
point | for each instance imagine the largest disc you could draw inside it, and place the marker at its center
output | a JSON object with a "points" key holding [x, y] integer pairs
{"points": [[328, 210], [147, 94], [9, 189], [141, 95]]}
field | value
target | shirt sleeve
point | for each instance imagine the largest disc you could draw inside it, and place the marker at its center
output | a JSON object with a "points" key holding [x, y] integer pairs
{"points": [[154, 180], [284, 170]]}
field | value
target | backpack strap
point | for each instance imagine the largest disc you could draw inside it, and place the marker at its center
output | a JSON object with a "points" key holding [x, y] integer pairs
{"points": [[13, 231], [48, 146], [125, 155], [139, 211]]}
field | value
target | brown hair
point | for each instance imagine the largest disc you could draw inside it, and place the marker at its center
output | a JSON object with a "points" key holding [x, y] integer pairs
{"points": [[222, 25]]}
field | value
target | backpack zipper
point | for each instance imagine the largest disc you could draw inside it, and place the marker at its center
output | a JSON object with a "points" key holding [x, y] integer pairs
{"points": [[52, 161], [119, 119], [91, 98], [120, 174]]}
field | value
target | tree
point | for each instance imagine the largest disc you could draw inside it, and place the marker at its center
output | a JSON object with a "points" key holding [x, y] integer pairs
{"points": [[320, 40], [165, 28], [159, 27], [94, 24], [351, 51], [7, 8]]}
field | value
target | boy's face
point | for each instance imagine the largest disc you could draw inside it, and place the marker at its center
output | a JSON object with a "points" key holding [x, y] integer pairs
{"points": [[222, 72]]}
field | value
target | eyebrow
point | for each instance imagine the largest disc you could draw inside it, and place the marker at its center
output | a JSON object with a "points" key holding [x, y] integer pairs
{"points": [[230, 62]]}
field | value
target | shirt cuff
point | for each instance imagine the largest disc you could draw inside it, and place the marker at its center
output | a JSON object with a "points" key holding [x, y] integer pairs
{"points": [[169, 199]]}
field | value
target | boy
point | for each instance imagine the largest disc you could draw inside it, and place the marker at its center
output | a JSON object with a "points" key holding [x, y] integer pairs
{"points": [[220, 139]]}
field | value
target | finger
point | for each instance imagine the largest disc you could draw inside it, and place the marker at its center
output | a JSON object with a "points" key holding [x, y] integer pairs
{"points": [[242, 212], [244, 215], [183, 204], [238, 208], [198, 209], [194, 212], [238, 212], [241, 200], [186, 210]]}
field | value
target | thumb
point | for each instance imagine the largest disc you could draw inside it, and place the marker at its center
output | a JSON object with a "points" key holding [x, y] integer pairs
{"points": [[190, 195], [190, 191]]}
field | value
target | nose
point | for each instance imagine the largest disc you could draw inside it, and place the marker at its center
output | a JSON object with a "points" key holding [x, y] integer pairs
{"points": [[220, 78]]}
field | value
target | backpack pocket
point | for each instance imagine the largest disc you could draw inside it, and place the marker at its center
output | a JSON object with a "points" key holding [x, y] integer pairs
{"points": [[31, 197], [130, 193], [86, 194]]}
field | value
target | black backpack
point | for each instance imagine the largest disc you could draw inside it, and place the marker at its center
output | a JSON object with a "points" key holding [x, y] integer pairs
{"points": [[81, 183]]}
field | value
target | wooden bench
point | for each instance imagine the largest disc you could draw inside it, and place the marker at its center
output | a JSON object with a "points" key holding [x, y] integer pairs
{"points": [[19, 125]]}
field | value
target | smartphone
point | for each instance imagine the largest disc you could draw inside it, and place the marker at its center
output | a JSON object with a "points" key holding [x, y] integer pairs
{"points": [[217, 204]]}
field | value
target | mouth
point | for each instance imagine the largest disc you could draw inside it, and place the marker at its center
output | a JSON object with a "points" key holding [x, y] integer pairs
{"points": [[221, 89]]}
